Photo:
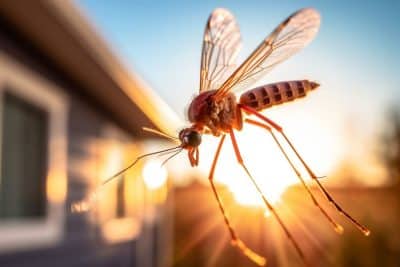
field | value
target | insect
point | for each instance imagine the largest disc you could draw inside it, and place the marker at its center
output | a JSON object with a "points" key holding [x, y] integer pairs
{"points": [[216, 110]]}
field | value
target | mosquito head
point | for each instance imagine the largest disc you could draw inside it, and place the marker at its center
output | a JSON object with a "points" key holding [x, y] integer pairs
{"points": [[191, 139]]}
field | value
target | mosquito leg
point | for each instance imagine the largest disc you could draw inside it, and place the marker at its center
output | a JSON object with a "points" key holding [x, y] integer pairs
{"points": [[191, 159], [338, 228], [278, 128], [236, 241], [266, 202], [197, 156]]}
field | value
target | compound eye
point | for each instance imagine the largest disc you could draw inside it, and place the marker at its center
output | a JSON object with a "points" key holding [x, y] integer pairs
{"points": [[194, 138]]}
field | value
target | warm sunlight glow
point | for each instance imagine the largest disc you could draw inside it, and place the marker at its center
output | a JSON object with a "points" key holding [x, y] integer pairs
{"points": [[111, 162], [56, 186], [119, 230], [247, 195], [154, 175], [266, 162]]}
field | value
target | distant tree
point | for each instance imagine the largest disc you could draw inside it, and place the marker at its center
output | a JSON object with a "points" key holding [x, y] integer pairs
{"points": [[390, 144]]}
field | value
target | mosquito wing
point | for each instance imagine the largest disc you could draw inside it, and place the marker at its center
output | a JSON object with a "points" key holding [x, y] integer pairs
{"points": [[221, 44], [289, 37]]}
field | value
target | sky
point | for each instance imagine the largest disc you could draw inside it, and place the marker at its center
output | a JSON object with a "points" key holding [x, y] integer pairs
{"points": [[354, 57]]}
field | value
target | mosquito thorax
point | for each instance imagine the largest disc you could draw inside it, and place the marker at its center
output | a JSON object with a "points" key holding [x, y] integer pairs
{"points": [[200, 106], [190, 138]]}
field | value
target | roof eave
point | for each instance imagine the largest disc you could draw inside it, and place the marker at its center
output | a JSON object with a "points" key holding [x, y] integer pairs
{"points": [[63, 33]]}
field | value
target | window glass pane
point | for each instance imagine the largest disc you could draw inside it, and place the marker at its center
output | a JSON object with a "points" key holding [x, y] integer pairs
{"points": [[121, 197], [23, 159]]}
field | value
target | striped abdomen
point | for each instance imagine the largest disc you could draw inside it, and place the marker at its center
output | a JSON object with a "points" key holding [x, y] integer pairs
{"points": [[276, 93]]}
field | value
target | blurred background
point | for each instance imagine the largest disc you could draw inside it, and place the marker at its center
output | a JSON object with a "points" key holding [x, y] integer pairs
{"points": [[79, 80]]}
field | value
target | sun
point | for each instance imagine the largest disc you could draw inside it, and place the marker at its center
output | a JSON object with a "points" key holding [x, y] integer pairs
{"points": [[266, 162], [273, 178], [247, 195]]}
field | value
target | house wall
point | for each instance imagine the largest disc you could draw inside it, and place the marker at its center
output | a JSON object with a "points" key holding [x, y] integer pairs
{"points": [[83, 242]]}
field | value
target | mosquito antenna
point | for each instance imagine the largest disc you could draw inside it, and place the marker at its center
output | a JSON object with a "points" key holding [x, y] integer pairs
{"points": [[154, 131], [85, 204], [170, 157], [167, 152], [134, 162]]}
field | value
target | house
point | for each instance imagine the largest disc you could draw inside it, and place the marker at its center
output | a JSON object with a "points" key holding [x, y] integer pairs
{"points": [[70, 116]]}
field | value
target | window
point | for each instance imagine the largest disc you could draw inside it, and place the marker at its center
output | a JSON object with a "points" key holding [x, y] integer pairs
{"points": [[118, 221], [121, 212], [32, 158], [23, 159]]}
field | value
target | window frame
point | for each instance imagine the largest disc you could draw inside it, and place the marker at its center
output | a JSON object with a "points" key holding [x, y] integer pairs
{"points": [[32, 87], [115, 228]]}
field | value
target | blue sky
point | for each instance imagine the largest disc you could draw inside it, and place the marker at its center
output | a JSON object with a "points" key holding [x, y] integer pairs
{"points": [[354, 57], [357, 43]]}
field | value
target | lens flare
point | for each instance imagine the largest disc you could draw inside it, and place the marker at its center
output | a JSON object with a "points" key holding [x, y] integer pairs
{"points": [[154, 174]]}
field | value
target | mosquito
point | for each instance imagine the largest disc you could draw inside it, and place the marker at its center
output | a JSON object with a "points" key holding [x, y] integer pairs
{"points": [[217, 111]]}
